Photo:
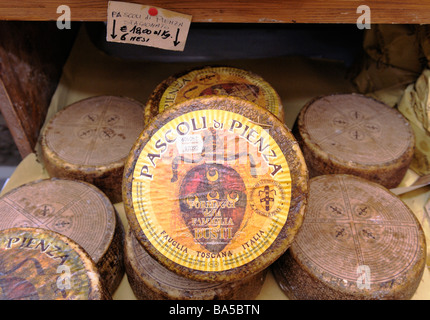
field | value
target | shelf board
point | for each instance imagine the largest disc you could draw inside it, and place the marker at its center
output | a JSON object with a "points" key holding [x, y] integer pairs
{"points": [[243, 11]]}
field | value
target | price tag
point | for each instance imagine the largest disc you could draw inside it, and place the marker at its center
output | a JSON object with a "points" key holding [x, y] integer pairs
{"points": [[144, 25]]}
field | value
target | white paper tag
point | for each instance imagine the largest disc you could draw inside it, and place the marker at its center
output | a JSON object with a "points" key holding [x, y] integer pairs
{"points": [[144, 25], [423, 181], [190, 144]]}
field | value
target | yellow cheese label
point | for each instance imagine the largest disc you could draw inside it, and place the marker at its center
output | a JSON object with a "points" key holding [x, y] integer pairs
{"points": [[211, 190], [222, 81], [41, 266]]}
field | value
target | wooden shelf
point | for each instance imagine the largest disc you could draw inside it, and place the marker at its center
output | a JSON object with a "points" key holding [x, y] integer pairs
{"points": [[243, 11]]}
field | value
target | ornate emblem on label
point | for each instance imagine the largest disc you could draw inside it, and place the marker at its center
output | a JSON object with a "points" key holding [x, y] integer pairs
{"points": [[267, 198], [213, 201]]}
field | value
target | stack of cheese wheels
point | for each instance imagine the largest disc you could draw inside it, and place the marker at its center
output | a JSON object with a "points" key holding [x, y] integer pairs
{"points": [[357, 241], [39, 264], [149, 280], [75, 209], [90, 139], [213, 80], [215, 188], [354, 134]]}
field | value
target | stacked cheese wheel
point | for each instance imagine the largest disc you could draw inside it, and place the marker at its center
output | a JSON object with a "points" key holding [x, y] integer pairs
{"points": [[75, 209], [354, 134], [357, 241], [90, 139], [215, 189], [39, 264], [213, 80], [149, 280]]}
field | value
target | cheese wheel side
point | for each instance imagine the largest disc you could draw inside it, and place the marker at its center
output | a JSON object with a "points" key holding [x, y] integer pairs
{"points": [[114, 258], [104, 178], [358, 241], [89, 140], [149, 280], [355, 142]]}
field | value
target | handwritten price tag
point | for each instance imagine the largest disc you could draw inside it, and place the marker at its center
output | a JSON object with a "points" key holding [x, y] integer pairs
{"points": [[147, 26]]}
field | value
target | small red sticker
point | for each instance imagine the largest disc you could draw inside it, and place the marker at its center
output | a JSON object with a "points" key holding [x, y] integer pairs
{"points": [[153, 11]]}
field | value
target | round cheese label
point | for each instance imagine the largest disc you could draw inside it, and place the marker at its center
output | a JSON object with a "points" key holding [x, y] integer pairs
{"points": [[39, 264], [225, 81], [211, 190]]}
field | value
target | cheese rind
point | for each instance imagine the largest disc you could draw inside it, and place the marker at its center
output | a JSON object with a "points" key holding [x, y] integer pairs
{"points": [[149, 280], [39, 264], [357, 241], [90, 139], [235, 193], [213, 80], [354, 134], [75, 209]]}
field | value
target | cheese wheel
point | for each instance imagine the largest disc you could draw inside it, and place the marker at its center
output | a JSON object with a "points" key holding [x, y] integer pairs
{"points": [[90, 139], [39, 264], [213, 80], [215, 188], [358, 241], [149, 280], [75, 209], [354, 134]]}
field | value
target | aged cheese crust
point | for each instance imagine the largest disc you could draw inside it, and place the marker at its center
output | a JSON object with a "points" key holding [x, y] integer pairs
{"points": [[75, 209], [358, 241], [213, 80], [39, 264], [354, 134], [149, 280], [223, 211], [90, 139]]}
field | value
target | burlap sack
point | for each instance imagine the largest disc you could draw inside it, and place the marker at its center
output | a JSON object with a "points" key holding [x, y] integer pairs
{"points": [[393, 58], [415, 106]]}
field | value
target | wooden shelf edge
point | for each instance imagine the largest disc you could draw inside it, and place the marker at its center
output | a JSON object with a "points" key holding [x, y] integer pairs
{"points": [[251, 11]]}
